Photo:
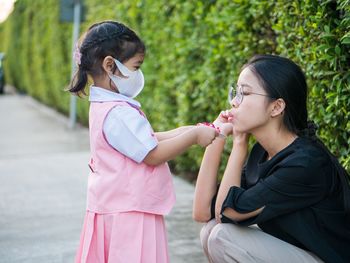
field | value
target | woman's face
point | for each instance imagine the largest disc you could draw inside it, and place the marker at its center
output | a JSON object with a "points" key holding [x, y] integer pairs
{"points": [[252, 110]]}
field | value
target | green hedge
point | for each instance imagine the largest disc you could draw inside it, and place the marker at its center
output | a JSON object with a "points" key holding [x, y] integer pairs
{"points": [[194, 51]]}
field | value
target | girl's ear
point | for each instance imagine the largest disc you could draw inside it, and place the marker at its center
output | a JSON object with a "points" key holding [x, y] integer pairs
{"points": [[108, 64], [278, 107]]}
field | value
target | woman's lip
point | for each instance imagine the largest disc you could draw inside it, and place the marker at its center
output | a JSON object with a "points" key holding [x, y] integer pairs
{"points": [[231, 116]]}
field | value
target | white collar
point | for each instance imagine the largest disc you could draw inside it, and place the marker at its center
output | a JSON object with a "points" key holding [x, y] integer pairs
{"points": [[98, 94]]}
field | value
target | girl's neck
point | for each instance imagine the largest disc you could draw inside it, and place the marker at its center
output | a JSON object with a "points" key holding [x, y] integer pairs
{"points": [[276, 143], [104, 84]]}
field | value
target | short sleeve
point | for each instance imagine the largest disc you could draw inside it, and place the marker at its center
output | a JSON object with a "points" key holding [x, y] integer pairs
{"points": [[286, 190], [129, 132]]}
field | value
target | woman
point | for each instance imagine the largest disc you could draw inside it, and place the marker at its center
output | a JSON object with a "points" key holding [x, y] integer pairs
{"points": [[291, 186]]}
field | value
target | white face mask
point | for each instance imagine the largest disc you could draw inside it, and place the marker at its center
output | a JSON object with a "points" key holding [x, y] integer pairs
{"points": [[130, 86]]}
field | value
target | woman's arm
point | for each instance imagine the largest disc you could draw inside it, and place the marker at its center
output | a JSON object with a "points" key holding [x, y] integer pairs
{"points": [[298, 183], [168, 149], [235, 216], [207, 181], [233, 171], [206, 185], [172, 133]]}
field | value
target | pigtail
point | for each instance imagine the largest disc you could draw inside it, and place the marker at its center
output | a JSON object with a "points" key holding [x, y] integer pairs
{"points": [[80, 78], [79, 82]]}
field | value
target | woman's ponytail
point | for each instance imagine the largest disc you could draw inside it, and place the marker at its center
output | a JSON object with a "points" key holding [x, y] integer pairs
{"points": [[310, 133]]}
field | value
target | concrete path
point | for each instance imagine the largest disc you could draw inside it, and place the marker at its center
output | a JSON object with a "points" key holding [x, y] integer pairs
{"points": [[43, 178]]}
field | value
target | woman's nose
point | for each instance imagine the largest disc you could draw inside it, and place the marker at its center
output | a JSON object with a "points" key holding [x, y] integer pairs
{"points": [[234, 103]]}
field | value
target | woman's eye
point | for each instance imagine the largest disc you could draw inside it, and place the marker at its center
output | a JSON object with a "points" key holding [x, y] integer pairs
{"points": [[245, 93]]}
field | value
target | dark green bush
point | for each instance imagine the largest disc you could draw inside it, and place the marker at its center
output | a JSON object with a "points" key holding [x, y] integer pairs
{"points": [[194, 51], [320, 43]]}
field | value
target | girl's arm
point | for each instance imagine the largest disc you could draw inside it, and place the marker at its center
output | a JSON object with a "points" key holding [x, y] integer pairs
{"points": [[206, 184], [172, 133], [168, 149]]}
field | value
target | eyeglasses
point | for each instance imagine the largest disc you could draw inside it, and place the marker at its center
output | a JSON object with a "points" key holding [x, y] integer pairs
{"points": [[237, 93]]}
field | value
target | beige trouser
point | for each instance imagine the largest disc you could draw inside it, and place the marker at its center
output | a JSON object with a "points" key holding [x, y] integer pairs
{"points": [[231, 243]]}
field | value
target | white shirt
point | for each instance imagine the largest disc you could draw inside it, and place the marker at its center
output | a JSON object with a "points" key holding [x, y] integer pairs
{"points": [[125, 128]]}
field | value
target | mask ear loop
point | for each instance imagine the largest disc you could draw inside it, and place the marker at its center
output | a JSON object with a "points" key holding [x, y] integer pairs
{"points": [[123, 69], [114, 69]]}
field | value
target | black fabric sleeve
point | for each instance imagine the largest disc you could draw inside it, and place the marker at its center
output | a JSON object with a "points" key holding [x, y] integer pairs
{"points": [[213, 201], [243, 178], [286, 190]]}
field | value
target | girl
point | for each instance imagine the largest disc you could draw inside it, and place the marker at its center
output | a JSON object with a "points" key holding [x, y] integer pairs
{"points": [[291, 185], [130, 186]]}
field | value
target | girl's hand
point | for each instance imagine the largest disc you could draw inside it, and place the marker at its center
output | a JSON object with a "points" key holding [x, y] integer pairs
{"points": [[224, 117], [205, 135], [223, 121]]}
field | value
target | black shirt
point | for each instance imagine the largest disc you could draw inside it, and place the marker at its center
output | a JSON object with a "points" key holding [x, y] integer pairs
{"points": [[302, 195]]}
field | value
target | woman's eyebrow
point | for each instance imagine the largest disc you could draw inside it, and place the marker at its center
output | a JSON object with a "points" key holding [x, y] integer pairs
{"points": [[246, 85]]}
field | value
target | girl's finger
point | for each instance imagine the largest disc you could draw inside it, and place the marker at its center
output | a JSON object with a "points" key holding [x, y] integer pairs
{"points": [[224, 114]]}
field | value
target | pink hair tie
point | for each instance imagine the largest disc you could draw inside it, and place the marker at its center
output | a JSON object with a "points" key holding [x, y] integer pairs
{"points": [[77, 55]]}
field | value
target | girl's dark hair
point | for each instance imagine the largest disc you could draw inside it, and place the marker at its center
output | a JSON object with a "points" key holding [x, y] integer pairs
{"points": [[282, 78], [107, 38]]}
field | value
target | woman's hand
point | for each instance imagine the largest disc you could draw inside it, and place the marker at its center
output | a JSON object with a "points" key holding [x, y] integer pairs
{"points": [[226, 129], [240, 138], [217, 214]]}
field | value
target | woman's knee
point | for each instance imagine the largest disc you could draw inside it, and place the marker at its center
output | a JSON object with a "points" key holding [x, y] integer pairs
{"points": [[222, 243], [205, 232], [216, 242]]}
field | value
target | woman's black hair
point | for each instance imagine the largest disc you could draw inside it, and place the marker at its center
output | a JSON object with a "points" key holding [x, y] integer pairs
{"points": [[282, 78], [107, 38]]}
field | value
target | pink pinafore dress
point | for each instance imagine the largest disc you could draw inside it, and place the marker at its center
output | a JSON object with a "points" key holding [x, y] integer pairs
{"points": [[126, 202]]}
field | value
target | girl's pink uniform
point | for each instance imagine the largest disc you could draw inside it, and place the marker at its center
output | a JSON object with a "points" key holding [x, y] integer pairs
{"points": [[126, 202]]}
